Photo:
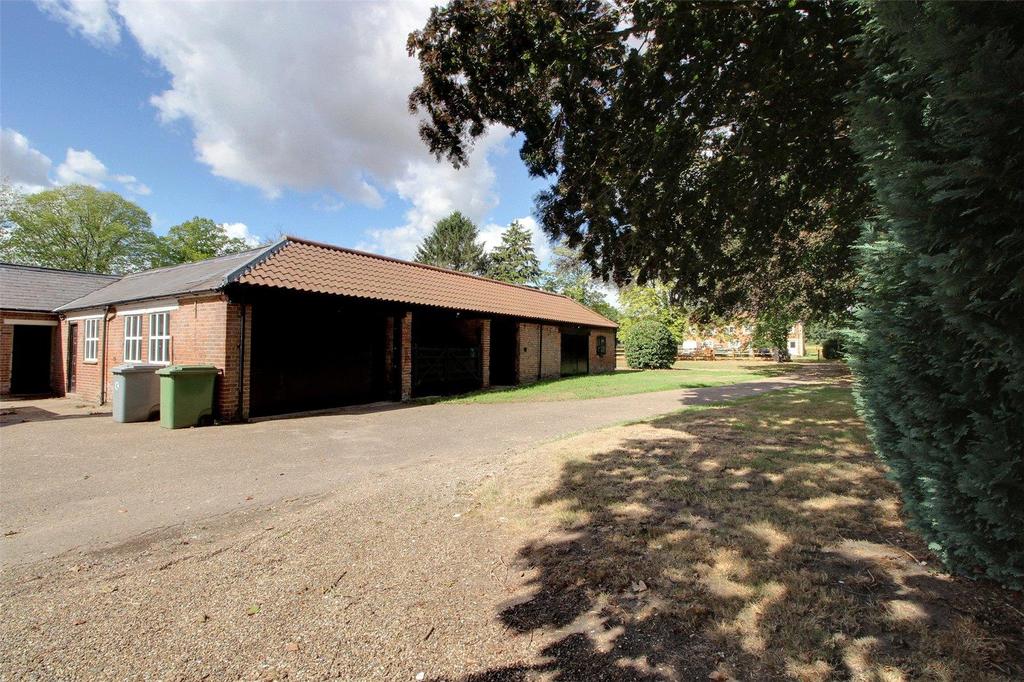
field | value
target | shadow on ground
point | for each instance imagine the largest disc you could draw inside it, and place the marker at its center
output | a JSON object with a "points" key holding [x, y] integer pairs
{"points": [[10, 415], [759, 541]]}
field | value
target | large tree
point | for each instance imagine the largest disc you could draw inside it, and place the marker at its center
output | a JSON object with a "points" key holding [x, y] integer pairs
{"points": [[197, 239], [77, 227], [940, 345], [455, 244], [514, 260], [696, 142], [571, 276]]}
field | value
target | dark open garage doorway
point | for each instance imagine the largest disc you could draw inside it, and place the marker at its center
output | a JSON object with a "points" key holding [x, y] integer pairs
{"points": [[504, 351], [575, 352], [445, 353], [312, 352], [31, 352]]}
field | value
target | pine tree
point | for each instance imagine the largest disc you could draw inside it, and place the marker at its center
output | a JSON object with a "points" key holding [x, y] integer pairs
{"points": [[453, 244], [514, 260], [939, 348]]}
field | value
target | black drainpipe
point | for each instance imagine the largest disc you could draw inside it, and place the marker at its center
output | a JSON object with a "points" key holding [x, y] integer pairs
{"points": [[103, 359], [241, 361]]}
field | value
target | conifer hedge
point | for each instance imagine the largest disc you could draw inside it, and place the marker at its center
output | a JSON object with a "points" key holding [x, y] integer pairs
{"points": [[939, 348]]}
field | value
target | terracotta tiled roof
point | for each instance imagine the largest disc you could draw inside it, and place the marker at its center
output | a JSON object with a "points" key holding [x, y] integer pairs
{"points": [[302, 265]]}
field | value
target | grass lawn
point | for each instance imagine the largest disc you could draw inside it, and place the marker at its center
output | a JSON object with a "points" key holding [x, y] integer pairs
{"points": [[757, 540], [691, 374]]}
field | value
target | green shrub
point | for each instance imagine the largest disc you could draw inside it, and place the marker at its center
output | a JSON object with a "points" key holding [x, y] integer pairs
{"points": [[833, 347], [939, 350], [649, 345]]}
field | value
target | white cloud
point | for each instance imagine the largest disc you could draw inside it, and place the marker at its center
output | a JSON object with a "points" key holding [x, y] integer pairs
{"points": [[435, 189], [28, 169], [241, 231], [82, 167], [92, 18], [310, 97], [23, 166]]}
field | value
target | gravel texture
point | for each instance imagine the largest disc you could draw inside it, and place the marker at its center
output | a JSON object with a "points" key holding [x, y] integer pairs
{"points": [[71, 480], [382, 575]]}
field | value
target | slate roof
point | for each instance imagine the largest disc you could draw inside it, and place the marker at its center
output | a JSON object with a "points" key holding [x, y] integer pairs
{"points": [[302, 265], [188, 278], [31, 288]]}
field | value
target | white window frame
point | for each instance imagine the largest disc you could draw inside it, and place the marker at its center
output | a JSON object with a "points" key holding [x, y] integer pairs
{"points": [[133, 338], [90, 339], [160, 338]]}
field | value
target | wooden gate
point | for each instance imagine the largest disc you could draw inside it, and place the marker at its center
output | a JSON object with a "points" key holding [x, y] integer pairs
{"points": [[442, 370]]}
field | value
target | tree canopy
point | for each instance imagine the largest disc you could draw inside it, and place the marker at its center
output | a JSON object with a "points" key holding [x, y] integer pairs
{"points": [[77, 227], [571, 276], [197, 239], [705, 144], [514, 260], [453, 244]]}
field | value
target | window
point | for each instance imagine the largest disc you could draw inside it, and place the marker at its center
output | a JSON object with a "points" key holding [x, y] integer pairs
{"points": [[92, 340], [133, 338], [159, 337], [602, 345]]}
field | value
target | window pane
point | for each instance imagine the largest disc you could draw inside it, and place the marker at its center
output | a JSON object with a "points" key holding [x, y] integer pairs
{"points": [[133, 338]]}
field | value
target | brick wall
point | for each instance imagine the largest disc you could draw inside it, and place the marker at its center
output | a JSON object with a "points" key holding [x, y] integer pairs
{"points": [[485, 353], [539, 356], [204, 330], [87, 374], [7, 350], [407, 356], [605, 363]]}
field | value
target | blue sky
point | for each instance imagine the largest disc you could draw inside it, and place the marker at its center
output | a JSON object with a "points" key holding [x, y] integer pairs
{"points": [[279, 117]]}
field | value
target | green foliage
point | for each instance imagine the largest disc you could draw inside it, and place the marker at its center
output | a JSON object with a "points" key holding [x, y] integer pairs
{"points": [[939, 349], [833, 347], [77, 227], [571, 276], [453, 244], [771, 330], [514, 259], [654, 301], [197, 239], [701, 143], [650, 345]]}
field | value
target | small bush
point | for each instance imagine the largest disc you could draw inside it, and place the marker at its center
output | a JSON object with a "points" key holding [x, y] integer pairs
{"points": [[649, 345], [833, 348]]}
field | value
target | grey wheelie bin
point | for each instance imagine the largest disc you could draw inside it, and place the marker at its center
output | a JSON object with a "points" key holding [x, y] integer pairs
{"points": [[136, 394]]}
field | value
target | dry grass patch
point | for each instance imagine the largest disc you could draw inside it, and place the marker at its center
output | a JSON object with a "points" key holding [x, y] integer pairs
{"points": [[756, 541]]}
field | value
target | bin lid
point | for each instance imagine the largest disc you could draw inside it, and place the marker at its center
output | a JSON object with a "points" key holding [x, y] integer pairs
{"points": [[174, 370], [132, 368]]}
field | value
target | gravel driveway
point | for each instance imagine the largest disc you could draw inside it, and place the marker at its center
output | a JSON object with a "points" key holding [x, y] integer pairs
{"points": [[85, 482], [342, 546]]}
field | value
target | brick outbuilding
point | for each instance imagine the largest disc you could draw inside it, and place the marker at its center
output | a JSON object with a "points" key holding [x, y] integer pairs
{"points": [[301, 325], [31, 360]]}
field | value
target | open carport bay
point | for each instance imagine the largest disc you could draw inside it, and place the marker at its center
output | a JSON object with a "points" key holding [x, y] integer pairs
{"points": [[311, 352]]}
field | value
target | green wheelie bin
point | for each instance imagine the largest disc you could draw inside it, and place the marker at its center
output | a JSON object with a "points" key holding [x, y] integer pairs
{"points": [[186, 395]]}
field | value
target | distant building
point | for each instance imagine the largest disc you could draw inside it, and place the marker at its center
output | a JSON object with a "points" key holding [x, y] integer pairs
{"points": [[795, 341]]}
